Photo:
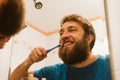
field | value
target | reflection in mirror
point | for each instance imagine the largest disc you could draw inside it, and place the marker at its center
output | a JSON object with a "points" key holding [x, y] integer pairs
{"points": [[43, 30]]}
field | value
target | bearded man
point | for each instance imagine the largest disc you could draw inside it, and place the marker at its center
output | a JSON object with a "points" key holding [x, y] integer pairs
{"points": [[78, 38]]}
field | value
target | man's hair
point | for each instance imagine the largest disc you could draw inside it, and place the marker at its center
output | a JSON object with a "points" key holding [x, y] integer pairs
{"points": [[11, 17], [85, 24]]}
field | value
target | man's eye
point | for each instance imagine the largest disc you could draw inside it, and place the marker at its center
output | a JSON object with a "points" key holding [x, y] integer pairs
{"points": [[71, 30], [61, 33]]}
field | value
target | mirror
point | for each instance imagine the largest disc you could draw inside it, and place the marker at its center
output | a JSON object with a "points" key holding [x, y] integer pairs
{"points": [[42, 30]]}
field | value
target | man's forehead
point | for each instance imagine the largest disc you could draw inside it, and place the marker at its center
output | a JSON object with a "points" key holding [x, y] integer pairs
{"points": [[68, 27], [70, 23]]}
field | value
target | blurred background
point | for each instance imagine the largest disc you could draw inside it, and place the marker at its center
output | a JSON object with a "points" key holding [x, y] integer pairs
{"points": [[42, 20]]}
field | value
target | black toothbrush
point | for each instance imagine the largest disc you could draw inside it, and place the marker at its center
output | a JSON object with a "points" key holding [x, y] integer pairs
{"points": [[54, 48]]}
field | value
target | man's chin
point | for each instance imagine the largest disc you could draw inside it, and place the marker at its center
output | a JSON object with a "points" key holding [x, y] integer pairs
{"points": [[1, 46]]}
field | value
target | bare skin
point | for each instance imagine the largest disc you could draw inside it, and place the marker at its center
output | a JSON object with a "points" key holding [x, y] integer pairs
{"points": [[3, 41]]}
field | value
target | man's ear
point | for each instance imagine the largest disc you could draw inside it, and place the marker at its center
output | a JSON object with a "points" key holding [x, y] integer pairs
{"points": [[90, 38]]}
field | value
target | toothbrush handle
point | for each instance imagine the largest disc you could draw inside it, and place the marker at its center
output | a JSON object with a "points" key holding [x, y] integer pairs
{"points": [[52, 48], [49, 50]]}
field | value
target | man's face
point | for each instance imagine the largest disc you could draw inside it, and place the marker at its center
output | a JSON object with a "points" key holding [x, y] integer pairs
{"points": [[3, 40], [3, 1], [75, 49]]}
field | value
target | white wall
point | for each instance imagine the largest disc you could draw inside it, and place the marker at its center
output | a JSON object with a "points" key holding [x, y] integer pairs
{"points": [[24, 42], [113, 16], [4, 60]]}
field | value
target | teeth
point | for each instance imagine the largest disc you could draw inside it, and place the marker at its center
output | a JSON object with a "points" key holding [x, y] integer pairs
{"points": [[67, 44]]}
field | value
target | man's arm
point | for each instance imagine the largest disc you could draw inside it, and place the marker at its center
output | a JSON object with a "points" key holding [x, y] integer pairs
{"points": [[36, 55], [21, 71]]}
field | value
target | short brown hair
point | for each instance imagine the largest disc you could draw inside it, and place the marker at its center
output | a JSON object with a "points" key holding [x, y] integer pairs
{"points": [[11, 17]]}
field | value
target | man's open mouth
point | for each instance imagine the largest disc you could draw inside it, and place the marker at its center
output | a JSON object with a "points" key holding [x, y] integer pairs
{"points": [[68, 43]]}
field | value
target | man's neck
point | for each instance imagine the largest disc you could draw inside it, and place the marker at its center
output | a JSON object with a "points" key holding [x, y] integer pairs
{"points": [[92, 58]]}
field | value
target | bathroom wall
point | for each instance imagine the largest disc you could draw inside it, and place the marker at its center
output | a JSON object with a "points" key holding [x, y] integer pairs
{"points": [[4, 60], [24, 42]]}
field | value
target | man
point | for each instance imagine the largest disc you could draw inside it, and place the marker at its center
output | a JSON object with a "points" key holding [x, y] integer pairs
{"points": [[78, 37], [11, 19]]}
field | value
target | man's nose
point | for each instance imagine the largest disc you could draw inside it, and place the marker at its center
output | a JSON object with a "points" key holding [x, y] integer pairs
{"points": [[65, 34], [7, 39]]}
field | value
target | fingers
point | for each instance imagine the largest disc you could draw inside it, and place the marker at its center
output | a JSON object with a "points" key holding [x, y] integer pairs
{"points": [[37, 54]]}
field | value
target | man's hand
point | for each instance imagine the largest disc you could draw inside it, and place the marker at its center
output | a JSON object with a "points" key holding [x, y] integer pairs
{"points": [[37, 54]]}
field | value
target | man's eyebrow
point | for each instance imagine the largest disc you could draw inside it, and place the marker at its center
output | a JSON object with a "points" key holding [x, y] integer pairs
{"points": [[72, 27]]}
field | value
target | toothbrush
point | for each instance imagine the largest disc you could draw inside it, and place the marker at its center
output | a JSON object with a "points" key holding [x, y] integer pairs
{"points": [[54, 48]]}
